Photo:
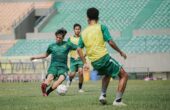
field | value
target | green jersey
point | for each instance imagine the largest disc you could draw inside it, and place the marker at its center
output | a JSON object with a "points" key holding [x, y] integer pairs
{"points": [[59, 53]]}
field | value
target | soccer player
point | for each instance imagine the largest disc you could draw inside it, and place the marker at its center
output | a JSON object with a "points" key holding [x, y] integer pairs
{"points": [[58, 67], [93, 39], [76, 64]]}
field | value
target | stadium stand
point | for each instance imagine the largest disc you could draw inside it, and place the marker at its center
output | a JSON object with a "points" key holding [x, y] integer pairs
{"points": [[160, 18], [28, 47], [11, 14], [142, 28], [148, 44], [117, 15], [138, 44], [5, 45], [144, 44]]}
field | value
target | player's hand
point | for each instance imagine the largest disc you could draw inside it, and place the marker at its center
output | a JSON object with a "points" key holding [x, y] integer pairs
{"points": [[86, 66], [123, 55]]}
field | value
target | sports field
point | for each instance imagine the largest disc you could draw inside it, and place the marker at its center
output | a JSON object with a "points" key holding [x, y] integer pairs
{"points": [[139, 95]]}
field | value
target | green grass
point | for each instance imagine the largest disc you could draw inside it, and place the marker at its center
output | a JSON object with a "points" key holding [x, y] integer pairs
{"points": [[139, 95]]}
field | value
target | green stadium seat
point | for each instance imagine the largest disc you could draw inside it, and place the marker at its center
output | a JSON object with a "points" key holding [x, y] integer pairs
{"points": [[160, 18], [117, 15], [147, 44], [28, 47]]}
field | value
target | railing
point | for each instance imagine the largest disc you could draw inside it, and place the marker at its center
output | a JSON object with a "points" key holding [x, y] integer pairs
{"points": [[23, 67], [22, 70]]}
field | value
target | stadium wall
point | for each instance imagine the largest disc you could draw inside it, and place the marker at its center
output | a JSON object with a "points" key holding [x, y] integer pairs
{"points": [[26, 25], [42, 11], [46, 36], [137, 66], [51, 13], [142, 32], [40, 36], [146, 62]]}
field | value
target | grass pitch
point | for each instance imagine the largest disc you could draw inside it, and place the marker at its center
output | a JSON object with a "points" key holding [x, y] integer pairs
{"points": [[139, 95]]}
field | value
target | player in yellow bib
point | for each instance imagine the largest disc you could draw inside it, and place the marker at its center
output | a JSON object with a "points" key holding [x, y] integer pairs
{"points": [[94, 38], [76, 64]]}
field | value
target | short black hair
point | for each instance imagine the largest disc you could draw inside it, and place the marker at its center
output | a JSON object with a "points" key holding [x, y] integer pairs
{"points": [[75, 25], [61, 31], [93, 13]]}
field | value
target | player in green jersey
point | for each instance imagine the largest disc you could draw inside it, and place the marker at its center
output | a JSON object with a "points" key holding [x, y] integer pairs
{"points": [[58, 68]]}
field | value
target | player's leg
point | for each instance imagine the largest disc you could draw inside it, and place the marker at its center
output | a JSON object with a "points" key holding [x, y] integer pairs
{"points": [[49, 78], [72, 74], [47, 81], [123, 78], [105, 83], [71, 77], [81, 79], [56, 84], [122, 81], [105, 67], [114, 69]]}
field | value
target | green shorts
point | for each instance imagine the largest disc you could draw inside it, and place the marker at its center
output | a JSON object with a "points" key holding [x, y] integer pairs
{"points": [[107, 66], [75, 64], [57, 71]]}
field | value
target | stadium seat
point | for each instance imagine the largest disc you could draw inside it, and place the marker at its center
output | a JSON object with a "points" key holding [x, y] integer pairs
{"points": [[117, 15]]}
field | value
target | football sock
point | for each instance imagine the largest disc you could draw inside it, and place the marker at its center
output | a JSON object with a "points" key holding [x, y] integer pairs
{"points": [[70, 79], [43, 87], [80, 85], [119, 96], [103, 91], [49, 90], [119, 100]]}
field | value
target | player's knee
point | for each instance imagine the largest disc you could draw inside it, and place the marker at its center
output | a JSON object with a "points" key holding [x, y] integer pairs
{"points": [[72, 75], [81, 72], [50, 77], [62, 77], [125, 75]]}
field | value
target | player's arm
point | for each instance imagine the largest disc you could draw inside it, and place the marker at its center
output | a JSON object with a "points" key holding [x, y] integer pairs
{"points": [[48, 52], [40, 56], [108, 38], [82, 56], [114, 46], [80, 52]]}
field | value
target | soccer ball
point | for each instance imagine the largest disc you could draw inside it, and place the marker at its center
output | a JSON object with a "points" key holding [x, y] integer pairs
{"points": [[61, 89]]}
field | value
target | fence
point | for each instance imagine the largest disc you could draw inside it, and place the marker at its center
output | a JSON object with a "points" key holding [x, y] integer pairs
{"points": [[28, 71], [22, 70]]}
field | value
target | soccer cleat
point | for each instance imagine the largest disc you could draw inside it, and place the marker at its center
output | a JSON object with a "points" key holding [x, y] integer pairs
{"points": [[119, 103], [81, 91], [102, 99], [43, 89]]}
